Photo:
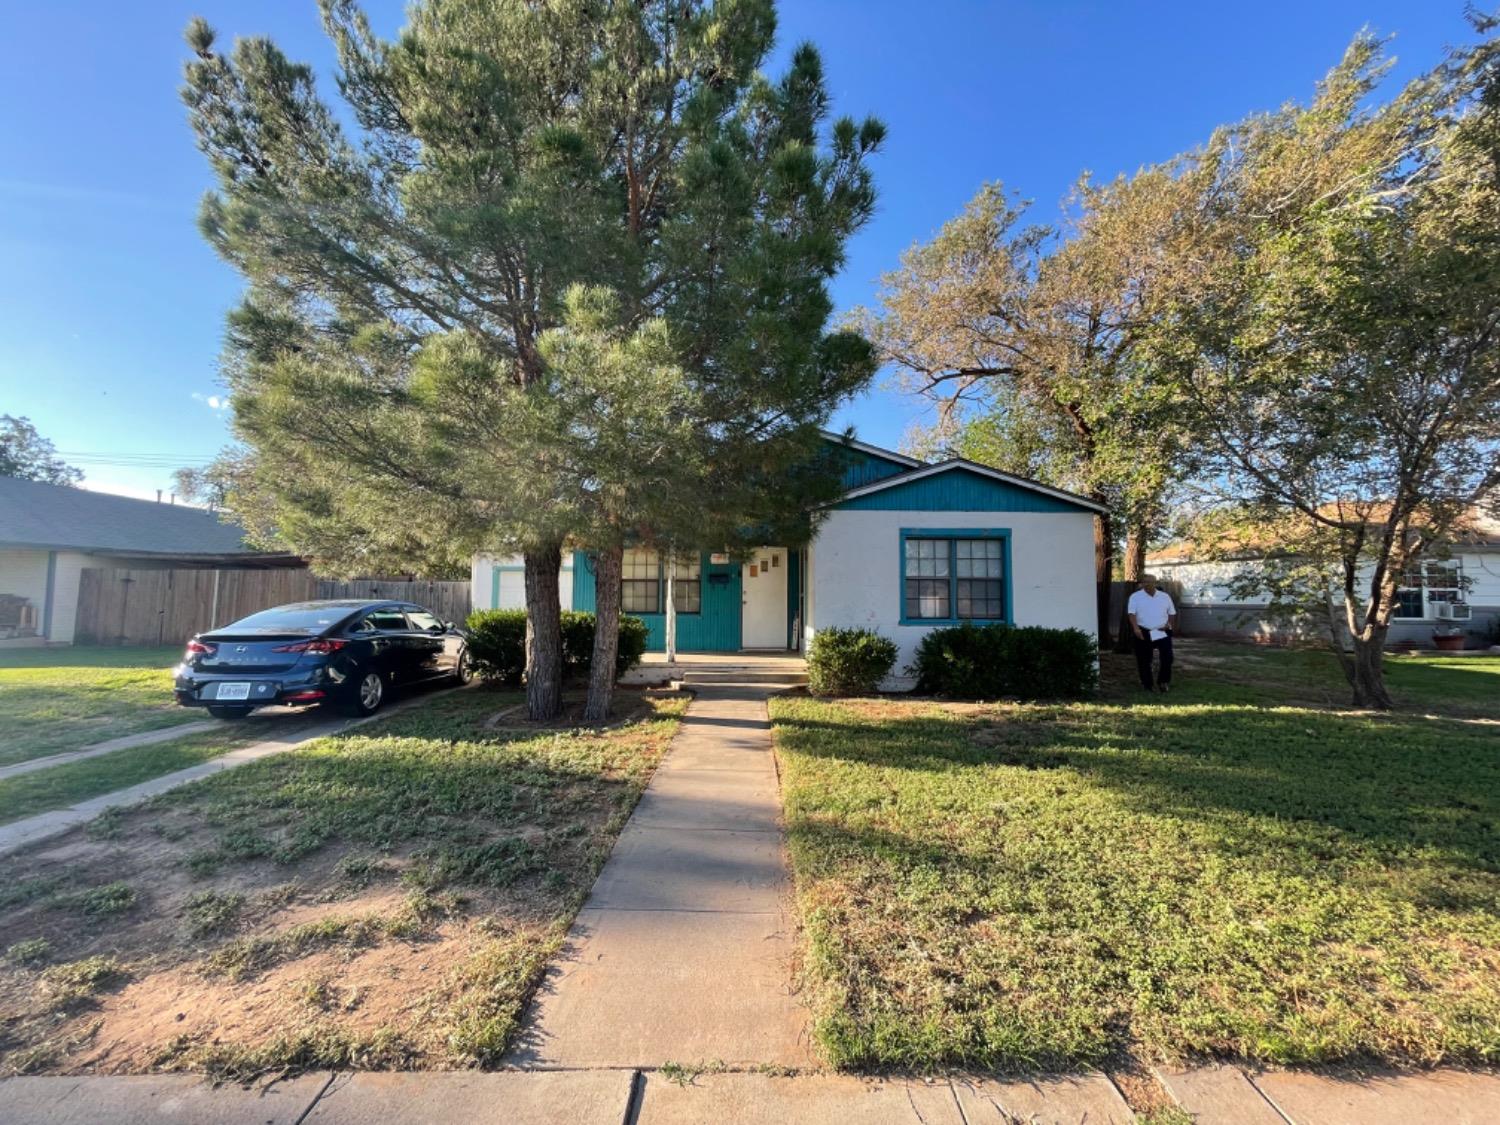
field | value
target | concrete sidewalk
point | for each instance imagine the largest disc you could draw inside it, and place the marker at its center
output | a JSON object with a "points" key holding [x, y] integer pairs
{"points": [[1214, 1096], [683, 951]]}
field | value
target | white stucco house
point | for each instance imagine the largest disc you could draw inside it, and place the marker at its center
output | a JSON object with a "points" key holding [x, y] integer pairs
{"points": [[1455, 592], [49, 534], [909, 547]]}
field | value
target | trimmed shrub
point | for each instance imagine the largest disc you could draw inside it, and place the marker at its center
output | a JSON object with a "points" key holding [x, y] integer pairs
{"points": [[997, 661], [497, 643], [848, 661], [578, 643]]}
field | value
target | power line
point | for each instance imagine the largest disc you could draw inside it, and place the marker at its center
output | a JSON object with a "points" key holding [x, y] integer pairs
{"points": [[135, 460]]}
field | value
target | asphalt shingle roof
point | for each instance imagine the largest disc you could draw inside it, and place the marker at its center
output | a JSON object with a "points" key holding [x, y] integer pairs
{"points": [[55, 516]]}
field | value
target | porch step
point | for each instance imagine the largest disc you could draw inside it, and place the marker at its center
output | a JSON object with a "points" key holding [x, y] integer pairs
{"points": [[788, 677]]}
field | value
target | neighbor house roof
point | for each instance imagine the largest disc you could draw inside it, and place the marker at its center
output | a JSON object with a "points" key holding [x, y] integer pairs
{"points": [[1475, 529], [959, 465], [57, 517]]}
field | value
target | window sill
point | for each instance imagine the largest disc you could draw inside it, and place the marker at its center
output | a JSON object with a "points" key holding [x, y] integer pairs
{"points": [[946, 621]]}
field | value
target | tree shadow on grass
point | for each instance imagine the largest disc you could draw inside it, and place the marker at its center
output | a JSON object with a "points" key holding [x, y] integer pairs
{"points": [[1318, 782], [1018, 921]]}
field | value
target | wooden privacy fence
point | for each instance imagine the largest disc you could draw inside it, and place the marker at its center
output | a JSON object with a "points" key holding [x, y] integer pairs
{"points": [[118, 606], [449, 600]]}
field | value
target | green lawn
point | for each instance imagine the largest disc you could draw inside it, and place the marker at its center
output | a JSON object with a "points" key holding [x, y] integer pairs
{"points": [[58, 699], [62, 785], [387, 897], [1204, 874]]}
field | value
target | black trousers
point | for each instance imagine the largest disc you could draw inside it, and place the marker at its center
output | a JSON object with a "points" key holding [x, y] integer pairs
{"points": [[1143, 650]]}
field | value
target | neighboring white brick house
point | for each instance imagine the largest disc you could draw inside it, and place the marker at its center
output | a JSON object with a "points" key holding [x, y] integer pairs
{"points": [[1458, 591]]}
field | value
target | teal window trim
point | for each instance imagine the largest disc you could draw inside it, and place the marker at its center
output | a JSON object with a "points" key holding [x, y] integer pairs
{"points": [[951, 534]]}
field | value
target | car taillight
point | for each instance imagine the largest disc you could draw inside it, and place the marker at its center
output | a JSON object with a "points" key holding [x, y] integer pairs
{"points": [[322, 645], [198, 648]]}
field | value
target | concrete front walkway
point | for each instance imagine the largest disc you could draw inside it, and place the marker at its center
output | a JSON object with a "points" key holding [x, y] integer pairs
{"points": [[683, 951]]}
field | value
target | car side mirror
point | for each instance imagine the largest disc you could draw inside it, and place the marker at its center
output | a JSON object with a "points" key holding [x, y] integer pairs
{"points": [[438, 628]]}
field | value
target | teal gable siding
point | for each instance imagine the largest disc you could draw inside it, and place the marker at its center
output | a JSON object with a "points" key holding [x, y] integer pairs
{"points": [[861, 468], [715, 629], [957, 490]]}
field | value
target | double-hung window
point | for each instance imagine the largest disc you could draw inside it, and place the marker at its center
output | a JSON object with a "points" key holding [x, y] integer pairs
{"points": [[643, 576], [687, 584], [1426, 585], [953, 576], [640, 582]]}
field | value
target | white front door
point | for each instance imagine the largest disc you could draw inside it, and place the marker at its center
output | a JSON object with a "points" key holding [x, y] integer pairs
{"points": [[763, 580]]}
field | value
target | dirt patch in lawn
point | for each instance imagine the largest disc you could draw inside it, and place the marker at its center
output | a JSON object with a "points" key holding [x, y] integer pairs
{"points": [[626, 706], [387, 898]]}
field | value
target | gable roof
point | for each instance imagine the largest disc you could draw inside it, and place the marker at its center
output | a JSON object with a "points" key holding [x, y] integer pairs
{"points": [[53, 517], [873, 450], [998, 496]]}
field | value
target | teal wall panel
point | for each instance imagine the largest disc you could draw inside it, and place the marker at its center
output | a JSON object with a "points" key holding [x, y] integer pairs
{"points": [[958, 490], [583, 583], [862, 468], [716, 629]]}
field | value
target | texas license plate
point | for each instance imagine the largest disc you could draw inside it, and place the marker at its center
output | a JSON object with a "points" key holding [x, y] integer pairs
{"points": [[233, 691]]}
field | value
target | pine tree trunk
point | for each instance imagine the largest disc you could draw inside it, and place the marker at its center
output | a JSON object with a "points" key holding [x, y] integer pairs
{"points": [[1366, 671], [1134, 566], [1104, 562], [607, 565], [543, 633]]}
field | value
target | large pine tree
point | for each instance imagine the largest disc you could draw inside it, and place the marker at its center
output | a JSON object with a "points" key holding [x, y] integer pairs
{"points": [[562, 279]]}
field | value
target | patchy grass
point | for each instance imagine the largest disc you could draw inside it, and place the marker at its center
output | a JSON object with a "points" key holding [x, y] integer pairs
{"points": [[57, 699], [59, 786], [212, 912], [1210, 873], [1456, 686], [386, 897], [111, 898], [34, 952]]}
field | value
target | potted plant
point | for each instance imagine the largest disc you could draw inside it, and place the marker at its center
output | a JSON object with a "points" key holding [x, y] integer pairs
{"points": [[1449, 638]]}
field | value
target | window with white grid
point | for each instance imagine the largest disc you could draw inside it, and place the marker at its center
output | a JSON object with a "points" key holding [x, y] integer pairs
{"points": [[640, 582]]}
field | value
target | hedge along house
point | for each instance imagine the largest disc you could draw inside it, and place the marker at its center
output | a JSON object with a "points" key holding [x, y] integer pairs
{"points": [[910, 546]]}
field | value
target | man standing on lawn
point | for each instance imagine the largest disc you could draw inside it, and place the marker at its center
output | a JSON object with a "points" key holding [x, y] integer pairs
{"points": [[1153, 618]]}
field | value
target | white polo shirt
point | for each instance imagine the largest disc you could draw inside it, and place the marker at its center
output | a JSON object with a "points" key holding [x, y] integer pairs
{"points": [[1151, 610]]}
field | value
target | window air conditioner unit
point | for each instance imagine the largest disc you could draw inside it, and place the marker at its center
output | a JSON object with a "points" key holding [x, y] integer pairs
{"points": [[1459, 611]]}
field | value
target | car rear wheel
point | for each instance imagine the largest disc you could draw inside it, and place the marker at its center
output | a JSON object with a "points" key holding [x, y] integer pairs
{"points": [[229, 714], [368, 695]]}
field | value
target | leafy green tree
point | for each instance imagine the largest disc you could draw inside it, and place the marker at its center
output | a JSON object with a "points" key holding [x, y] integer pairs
{"points": [[530, 188], [26, 455], [209, 485], [1027, 338], [1339, 360]]}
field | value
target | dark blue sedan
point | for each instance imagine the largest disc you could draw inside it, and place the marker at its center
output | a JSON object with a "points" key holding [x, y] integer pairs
{"points": [[349, 654]]}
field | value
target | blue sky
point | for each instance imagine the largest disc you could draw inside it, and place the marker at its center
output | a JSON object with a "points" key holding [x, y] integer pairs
{"points": [[111, 307]]}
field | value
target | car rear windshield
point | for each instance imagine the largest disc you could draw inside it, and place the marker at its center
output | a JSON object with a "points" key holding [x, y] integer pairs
{"points": [[310, 620]]}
